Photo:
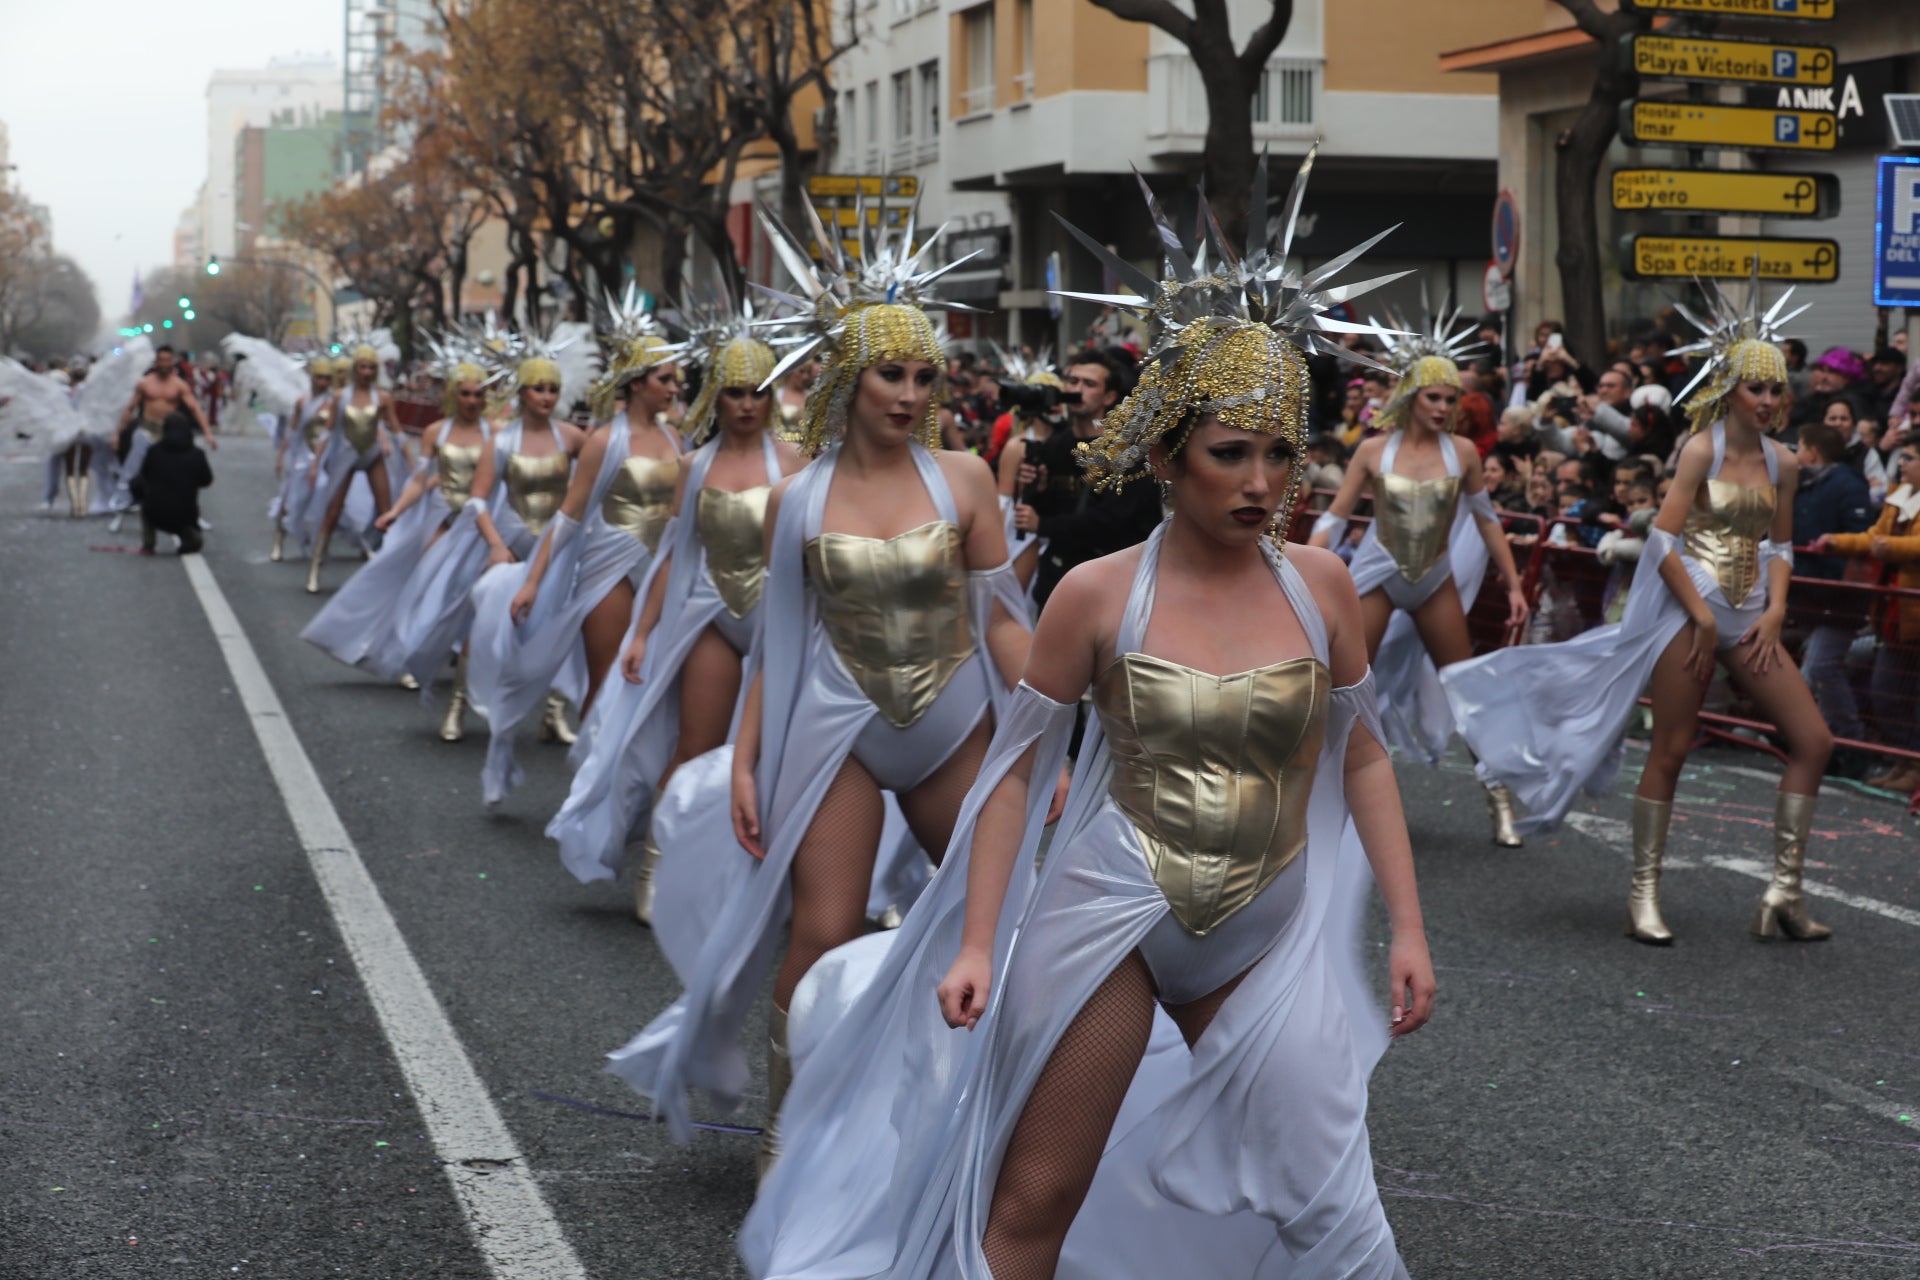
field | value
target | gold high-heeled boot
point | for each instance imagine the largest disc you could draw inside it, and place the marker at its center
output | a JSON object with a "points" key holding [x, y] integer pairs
{"points": [[643, 866], [553, 722], [408, 683], [279, 551], [1650, 819], [75, 507], [454, 726], [313, 565], [779, 1076], [1500, 805], [1783, 907]]}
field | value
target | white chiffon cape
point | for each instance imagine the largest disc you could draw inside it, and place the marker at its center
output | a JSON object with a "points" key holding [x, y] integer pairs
{"points": [[1246, 1157], [629, 738], [436, 610], [509, 667], [359, 624], [718, 911]]}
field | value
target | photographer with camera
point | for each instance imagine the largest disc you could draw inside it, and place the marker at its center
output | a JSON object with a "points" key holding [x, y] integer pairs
{"points": [[1036, 400], [1055, 501]]}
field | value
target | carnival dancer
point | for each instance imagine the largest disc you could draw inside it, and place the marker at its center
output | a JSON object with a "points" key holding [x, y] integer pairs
{"points": [[1207, 876], [362, 440], [309, 425], [523, 466], [696, 614], [360, 625], [576, 594], [1425, 552], [1711, 584], [890, 625]]}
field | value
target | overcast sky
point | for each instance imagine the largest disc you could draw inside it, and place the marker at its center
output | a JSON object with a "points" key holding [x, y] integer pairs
{"points": [[105, 103]]}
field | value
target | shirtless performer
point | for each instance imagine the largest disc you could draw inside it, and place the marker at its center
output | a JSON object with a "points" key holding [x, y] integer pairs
{"points": [[159, 392]]}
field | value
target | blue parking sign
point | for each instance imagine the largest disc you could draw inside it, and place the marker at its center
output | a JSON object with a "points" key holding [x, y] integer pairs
{"points": [[1786, 128], [1786, 64], [1896, 233]]}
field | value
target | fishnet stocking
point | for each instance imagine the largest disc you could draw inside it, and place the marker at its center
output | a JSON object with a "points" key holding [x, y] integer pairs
{"points": [[832, 871], [933, 807], [1056, 1145]]}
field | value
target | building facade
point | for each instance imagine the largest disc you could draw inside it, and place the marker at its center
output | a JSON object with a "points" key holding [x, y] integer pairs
{"points": [[1009, 111], [301, 90], [1545, 71], [287, 160]]}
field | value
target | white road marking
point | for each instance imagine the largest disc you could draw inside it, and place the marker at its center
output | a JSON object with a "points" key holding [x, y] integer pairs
{"points": [[1619, 834], [510, 1223]]}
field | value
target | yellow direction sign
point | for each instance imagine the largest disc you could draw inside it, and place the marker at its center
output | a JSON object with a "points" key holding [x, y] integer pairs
{"points": [[849, 185], [1691, 124], [1809, 10], [1804, 195], [847, 215], [1724, 258], [1675, 58]]}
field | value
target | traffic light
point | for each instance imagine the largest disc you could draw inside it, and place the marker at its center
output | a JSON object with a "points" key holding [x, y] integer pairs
{"points": [[213, 264], [146, 328], [189, 314], [166, 324], [186, 304]]}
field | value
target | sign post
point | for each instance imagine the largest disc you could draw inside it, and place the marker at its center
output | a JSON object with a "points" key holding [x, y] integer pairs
{"points": [[1732, 258], [1745, 61], [1896, 233], [1497, 287], [1803, 10], [1729, 191], [1698, 124]]}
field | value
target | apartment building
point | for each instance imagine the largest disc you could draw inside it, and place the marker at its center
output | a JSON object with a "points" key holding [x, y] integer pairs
{"points": [[1008, 111], [298, 90]]}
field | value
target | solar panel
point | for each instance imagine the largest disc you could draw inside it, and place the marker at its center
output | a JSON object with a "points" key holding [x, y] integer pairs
{"points": [[1903, 117]]}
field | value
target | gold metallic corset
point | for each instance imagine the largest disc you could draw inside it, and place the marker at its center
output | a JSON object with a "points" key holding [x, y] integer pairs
{"points": [[1726, 536], [732, 527], [1412, 519], [640, 500], [361, 425], [1214, 772], [456, 464], [896, 610], [318, 426], [536, 486]]}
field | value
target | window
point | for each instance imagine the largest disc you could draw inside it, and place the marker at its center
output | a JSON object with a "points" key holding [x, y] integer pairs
{"points": [[929, 110], [1024, 81], [902, 106], [978, 42], [872, 125], [849, 128]]}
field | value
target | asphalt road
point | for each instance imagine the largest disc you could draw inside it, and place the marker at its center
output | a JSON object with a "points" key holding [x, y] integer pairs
{"points": [[193, 1082]]}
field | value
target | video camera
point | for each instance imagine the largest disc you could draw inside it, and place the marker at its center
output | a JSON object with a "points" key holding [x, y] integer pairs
{"points": [[1035, 398]]}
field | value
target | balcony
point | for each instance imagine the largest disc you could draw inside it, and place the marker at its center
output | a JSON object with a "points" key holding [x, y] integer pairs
{"points": [[1286, 106]]}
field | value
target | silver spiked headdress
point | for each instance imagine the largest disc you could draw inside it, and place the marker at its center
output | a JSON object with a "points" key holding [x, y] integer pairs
{"points": [[722, 344], [636, 343], [853, 312], [1739, 342], [1425, 356], [1227, 337], [1020, 367]]}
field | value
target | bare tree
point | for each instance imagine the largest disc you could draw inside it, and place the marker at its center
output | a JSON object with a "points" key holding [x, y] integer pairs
{"points": [[1582, 150], [1229, 77], [23, 254], [258, 298]]}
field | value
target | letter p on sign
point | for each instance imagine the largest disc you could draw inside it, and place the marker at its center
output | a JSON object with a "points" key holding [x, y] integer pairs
{"points": [[1906, 201]]}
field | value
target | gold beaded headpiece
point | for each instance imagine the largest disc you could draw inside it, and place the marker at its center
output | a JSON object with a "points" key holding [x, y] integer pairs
{"points": [[1229, 339], [1740, 344], [455, 357], [319, 367], [1428, 356], [722, 346], [858, 312], [636, 344]]}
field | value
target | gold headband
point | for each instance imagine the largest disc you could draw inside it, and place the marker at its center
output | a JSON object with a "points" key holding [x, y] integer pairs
{"points": [[871, 334]]}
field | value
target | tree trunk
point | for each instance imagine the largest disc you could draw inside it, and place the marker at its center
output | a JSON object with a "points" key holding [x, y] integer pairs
{"points": [[1581, 153], [1228, 158]]}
